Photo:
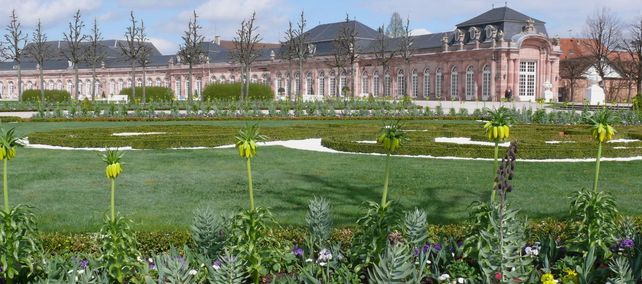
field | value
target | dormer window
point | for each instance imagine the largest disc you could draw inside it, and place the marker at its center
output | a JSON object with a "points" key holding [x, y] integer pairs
{"points": [[473, 33], [491, 32]]}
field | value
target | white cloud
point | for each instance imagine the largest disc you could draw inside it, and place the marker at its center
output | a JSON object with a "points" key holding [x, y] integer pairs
{"points": [[230, 10], [49, 12], [166, 47], [420, 31]]}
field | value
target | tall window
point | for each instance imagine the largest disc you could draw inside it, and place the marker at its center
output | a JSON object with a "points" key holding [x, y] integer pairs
{"points": [[401, 84], [80, 88], [279, 83], [470, 83], [1, 89], [121, 85], [139, 82], [232, 79], [333, 85], [70, 86], [486, 83], [375, 84], [150, 82], [322, 83], [97, 87], [427, 83], [179, 89], [199, 86], [29, 85], [386, 85], [254, 79], [158, 82], [414, 83], [454, 78], [439, 78], [188, 85], [59, 83], [112, 87], [527, 77], [51, 85], [297, 83], [308, 84], [10, 89], [343, 83], [365, 88]]}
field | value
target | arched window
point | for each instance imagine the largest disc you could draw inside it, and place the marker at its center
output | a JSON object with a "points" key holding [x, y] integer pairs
{"points": [[297, 83], [486, 83], [59, 85], [158, 82], [401, 84], [10, 89], [343, 83], [279, 84], [308, 84], [139, 82], [1, 89], [179, 89], [386, 84], [375, 83], [232, 79], [150, 82], [415, 84], [97, 87], [439, 78], [454, 80], [70, 86], [129, 83], [322, 83], [365, 88], [88, 86], [223, 79], [29, 85], [112, 87], [80, 88], [265, 79], [121, 85], [333, 84], [427, 83], [470, 83], [52, 85]]}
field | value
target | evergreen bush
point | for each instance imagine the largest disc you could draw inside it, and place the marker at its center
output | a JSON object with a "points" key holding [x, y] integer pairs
{"points": [[152, 94], [232, 91], [57, 96]]}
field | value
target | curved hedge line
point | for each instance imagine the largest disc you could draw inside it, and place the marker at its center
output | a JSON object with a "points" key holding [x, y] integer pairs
{"points": [[51, 96], [232, 91]]}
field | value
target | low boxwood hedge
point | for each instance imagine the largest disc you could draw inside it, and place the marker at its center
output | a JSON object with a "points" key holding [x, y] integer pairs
{"points": [[51, 96], [152, 94], [232, 91]]}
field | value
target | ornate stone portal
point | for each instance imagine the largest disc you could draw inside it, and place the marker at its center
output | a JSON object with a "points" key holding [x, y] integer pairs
{"points": [[594, 93]]}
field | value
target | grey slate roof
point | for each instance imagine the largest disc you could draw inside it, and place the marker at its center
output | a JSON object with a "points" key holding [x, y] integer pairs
{"points": [[329, 32], [496, 15]]}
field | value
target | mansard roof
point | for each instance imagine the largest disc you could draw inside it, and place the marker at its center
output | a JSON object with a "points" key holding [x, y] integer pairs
{"points": [[111, 48], [498, 15], [329, 32]]}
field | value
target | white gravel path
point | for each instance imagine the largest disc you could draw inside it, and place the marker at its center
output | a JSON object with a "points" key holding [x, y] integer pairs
{"points": [[314, 144], [137, 133]]}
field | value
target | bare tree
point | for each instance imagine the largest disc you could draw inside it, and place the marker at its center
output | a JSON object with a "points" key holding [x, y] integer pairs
{"points": [[395, 27], [633, 48], [131, 49], [73, 52], [288, 49], [573, 70], [603, 34], [338, 63], [40, 51], [143, 57], [406, 50], [300, 48], [347, 48], [246, 51], [94, 55], [191, 51], [383, 52], [16, 43]]}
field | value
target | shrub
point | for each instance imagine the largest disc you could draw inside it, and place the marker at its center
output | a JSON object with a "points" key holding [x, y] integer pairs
{"points": [[57, 96], [152, 94], [233, 91]]}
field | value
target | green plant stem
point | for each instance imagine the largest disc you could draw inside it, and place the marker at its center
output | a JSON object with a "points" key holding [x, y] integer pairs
{"points": [[5, 187], [384, 198], [113, 197], [495, 166], [597, 165], [249, 183]]}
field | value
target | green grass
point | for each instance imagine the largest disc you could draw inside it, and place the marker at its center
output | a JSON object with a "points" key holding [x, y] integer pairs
{"points": [[160, 188]]}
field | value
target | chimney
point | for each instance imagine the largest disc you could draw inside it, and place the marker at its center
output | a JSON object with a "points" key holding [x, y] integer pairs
{"points": [[217, 40]]}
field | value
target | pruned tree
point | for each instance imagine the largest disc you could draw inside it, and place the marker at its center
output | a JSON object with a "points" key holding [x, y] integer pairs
{"points": [[288, 50], [406, 50], [15, 48], [603, 34], [246, 50], [339, 64], [131, 49], [94, 55], [395, 27], [633, 62], [73, 51], [191, 51], [300, 49], [143, 57], [347, 49], [39, 50], [383, 51], [573, 69]]}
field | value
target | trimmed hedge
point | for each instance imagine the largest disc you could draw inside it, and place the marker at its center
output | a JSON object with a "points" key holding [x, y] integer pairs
{"points": [[232, 91], [51, 96], [152, 94]]}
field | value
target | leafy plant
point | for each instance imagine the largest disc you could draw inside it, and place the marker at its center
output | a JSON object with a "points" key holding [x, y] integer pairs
{"points": [[390, 137], [209, 231], [228, 269], [246, 141], [174, 267], [118, 249], [622, 270], [416, 228], [20, 248], [373, 229], [394, 267], [319, 221], [596, 217], [602, 132], [112, 171]]}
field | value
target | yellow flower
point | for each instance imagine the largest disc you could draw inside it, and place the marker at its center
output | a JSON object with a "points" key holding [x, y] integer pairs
{"points": [[547, 278]]}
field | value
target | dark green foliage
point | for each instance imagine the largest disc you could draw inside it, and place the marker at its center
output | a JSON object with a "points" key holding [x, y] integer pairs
{"points": [[20, 249], [174, 267], [319, 221], [119, 250], [227, 269], [596, 217], [416, 228], [152, 94], [232, 91], [51, 96], [395, 266], [371, 237], [209, 231]]}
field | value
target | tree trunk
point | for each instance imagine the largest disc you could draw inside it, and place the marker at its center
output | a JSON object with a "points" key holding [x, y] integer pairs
{"points": [[19, 83], [572, 89], [93, 83], [247, 82], [353, 83], [290, 81], [76, 82], [133, 86], [300, 87], [42, 86], [144, 83], [189, 86]]}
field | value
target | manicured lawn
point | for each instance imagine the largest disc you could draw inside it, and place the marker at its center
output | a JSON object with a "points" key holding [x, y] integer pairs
{"points": [[160, 188]]}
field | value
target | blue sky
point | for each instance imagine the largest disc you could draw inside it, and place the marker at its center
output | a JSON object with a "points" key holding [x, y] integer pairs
{"points": [[165, 20]]}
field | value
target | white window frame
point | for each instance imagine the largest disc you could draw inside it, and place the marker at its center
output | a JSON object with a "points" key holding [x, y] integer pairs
{"points": [[454, 83], [486, 82], [470, 83]]}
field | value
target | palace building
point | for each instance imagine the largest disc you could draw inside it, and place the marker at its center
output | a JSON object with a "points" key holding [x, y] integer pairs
{"points": [[479, 60]]}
